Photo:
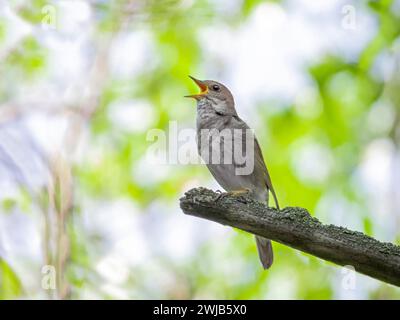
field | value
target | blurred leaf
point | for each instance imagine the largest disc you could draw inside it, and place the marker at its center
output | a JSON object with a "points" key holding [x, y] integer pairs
{"points": [[32, 11], [8, 205], [10, 285], [28, 58]]}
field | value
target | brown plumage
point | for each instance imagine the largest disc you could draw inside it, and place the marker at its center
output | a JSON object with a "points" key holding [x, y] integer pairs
{"points": [[216, 113]]}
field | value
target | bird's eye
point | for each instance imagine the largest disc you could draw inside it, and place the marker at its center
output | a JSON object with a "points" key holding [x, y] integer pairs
{"points": [[216, 87]]}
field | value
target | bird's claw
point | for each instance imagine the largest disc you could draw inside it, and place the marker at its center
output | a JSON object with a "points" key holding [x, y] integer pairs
{"points": [[238, 194], [220, 195]]}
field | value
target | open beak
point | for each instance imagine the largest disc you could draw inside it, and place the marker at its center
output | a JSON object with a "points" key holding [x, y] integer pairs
{"points": [[203, 89]]}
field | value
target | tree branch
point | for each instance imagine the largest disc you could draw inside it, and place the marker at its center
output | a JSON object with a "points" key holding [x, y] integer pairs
{"points": [[296, 228]]}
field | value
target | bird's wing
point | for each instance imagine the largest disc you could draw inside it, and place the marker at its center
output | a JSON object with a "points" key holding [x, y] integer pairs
{"points": [[258, 158]]}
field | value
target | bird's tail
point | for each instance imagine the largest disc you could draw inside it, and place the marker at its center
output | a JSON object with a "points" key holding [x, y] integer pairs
{"points": [[264, 248]]}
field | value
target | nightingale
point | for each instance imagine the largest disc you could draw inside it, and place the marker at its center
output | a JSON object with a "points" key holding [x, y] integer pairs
{"points": [[216, 112]]}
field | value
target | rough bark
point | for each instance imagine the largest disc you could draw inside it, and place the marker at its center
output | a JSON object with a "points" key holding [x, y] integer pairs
{"points": [[296, 228]]}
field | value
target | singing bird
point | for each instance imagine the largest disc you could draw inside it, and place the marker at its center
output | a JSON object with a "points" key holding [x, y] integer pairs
{"points": [[216, 110]]}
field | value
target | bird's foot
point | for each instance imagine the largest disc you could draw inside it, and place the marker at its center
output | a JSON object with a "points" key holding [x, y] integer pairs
{"points": [[239, 194], [220, 195]]}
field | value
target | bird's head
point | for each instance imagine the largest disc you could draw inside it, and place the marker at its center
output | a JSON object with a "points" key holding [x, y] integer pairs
{"points": [[216, 93]]}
